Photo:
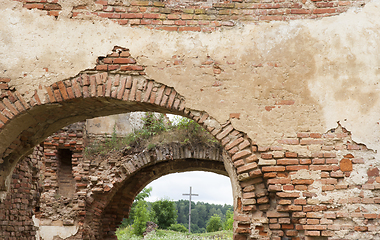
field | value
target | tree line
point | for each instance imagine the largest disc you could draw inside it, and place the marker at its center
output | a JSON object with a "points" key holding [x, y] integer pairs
{"points": [[174, 215]]}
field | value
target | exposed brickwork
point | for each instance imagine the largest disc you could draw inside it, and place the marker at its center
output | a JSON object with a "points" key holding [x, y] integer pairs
{"points": [[134, 173], [302, 188], [107, 184], [56, 205], [20, 205], [199, 16], [300, 183], [123, 84]]}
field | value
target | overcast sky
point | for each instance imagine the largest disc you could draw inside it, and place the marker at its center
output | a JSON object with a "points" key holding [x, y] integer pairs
{"points": [[210, 187]]}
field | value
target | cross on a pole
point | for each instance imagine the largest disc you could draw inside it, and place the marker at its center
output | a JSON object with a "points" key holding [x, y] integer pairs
{"points": [[191, 194]]}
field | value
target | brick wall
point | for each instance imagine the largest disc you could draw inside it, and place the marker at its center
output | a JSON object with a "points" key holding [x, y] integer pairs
{"points": [[198, 16], [299, 184], [314, 193], [64, 190], [22, 202]]}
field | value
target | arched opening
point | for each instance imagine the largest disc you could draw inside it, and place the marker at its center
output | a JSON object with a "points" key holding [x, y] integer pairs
{"points": [[108, 209], [102, 92]]}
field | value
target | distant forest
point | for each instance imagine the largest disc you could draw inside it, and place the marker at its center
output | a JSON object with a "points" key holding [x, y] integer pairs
{"points": [[200, 213], [174, 215]]}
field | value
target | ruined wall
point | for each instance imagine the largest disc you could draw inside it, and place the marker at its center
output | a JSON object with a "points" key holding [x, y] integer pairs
{"points": [[22, 203], [120, 124], [294, 101], [105, 184], [62, 202]]}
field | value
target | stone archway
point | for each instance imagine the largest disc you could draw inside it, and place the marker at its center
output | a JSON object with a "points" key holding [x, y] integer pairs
{"points": [[131, 174], [117, 85]]}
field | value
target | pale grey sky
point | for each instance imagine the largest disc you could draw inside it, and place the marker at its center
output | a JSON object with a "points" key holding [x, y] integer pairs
{"points": [[211, 187]]}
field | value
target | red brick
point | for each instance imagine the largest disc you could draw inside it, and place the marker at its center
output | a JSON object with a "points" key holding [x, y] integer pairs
{"points": [[247, 167], [190, 29], [315, 135], [266, 155], [62, 89], [10, 106], [305, 161], [302, 181], [296, 167], [288, 194], [241, 154], [288, 187], [321, 167], [101, 68], [171, 99], [328, 188], [324, 10], [131, 68], [345, 165], [167, 28], [279, 181], [3, 118], [300, 201], [361, 228], [273, 169], [124, 60], [370, 215], [274, 226], [287, 161], [131, 15], [108, 15], [34, 5], [151, 15], [50, 95]]}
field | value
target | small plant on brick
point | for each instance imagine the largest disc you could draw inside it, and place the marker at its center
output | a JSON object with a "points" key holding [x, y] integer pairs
{"points": [[156, 131]]}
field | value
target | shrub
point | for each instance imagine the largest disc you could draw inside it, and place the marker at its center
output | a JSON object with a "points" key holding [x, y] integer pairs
{"points": [[141, 217], [214, 224], [178, 228]]}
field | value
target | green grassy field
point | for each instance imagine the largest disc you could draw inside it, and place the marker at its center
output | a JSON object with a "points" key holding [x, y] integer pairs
{"points": [[125, 234]]}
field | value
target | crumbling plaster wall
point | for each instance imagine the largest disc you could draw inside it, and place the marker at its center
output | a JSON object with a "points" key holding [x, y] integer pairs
{"points": [[281, 81], [120, 124], [326, 69]]}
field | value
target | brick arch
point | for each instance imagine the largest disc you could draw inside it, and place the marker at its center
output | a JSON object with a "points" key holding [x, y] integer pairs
{"points": [[117, 84], [133, 173]]}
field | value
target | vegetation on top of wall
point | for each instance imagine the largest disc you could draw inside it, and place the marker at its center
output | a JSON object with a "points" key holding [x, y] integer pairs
{"points": [[157, 130]]}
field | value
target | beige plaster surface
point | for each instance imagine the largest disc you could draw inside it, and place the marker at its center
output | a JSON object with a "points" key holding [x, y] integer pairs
{"points": [[328, 67], [46, 232]]}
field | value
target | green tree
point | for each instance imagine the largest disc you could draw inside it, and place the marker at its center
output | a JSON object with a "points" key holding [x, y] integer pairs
{"points": [[140, 197], [228, 224], [214, 224], [165, 213], [141, 217]]}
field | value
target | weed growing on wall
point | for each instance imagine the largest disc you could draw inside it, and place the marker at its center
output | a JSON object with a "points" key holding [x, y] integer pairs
{"points": [[157, 130]]}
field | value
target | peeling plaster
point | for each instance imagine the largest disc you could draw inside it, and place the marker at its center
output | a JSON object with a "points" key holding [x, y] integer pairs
{"points": [[320, 66]]}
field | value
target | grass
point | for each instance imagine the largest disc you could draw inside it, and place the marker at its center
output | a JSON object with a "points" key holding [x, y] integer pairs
{"points": [[161, 234]]}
